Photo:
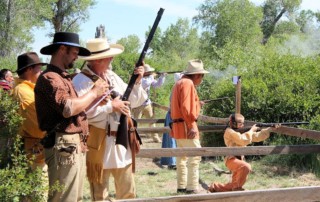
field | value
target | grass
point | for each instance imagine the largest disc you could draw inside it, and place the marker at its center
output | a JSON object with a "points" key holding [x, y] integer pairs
{"points": [[154, 180]]}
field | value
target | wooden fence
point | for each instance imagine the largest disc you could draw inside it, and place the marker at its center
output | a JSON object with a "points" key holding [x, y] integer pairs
{"points": [[311, 193]]}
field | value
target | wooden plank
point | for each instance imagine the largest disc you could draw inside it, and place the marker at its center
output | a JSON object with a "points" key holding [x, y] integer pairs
{"points": [[291, 131], [294, 194], [299, 132], [225, 151], [166, 129], [210, 119], [150, 120], [160, 106]]}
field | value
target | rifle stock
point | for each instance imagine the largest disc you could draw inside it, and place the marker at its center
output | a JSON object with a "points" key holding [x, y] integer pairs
{"points": [[122, 133]]}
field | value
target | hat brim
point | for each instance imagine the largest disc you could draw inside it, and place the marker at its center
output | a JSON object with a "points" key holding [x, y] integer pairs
{"points": [[151, 70], [32, 64], [48, 50], [198, 72], [115, 49]]}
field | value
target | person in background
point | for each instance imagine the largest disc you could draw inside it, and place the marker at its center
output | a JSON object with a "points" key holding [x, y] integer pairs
{"points": [[6, 79], [167, 140], [104, 157], [61, 113], [185, 109], [236, 164], [29, 69], [146, 108]]}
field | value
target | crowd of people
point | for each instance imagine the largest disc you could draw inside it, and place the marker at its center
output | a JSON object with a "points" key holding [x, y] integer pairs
{"points": [[71, 121]]}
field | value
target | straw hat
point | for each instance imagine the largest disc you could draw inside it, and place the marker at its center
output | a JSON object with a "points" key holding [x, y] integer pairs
{"points": [[195, 67], [28, 59], [100, 48], [67, 39], [148, 68]]}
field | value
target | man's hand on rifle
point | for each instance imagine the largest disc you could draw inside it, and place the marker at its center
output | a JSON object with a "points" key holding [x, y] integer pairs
{"points": [[140, 72], [121, 106], [100, 88]]}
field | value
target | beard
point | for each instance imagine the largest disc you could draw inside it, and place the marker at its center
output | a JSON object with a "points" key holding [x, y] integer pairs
{"points": [[70, 65]]}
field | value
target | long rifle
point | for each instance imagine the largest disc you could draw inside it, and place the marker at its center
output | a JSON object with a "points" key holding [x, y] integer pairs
{"points": [[122, 133], [217, 99], [265, 125], [170, 72]]}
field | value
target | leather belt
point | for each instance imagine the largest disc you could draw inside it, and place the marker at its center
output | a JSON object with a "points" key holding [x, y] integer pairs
{"points": [[177, 120]]}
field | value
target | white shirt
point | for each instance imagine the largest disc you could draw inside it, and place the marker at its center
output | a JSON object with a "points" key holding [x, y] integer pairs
{"points": [[116, 156]]}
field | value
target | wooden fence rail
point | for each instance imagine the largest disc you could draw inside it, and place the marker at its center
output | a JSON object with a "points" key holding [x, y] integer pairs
{"points": [[294, 194], [305, 194], [225, 151]]}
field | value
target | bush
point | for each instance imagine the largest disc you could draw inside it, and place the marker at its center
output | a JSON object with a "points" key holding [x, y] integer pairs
{"points": [[17, 183]]}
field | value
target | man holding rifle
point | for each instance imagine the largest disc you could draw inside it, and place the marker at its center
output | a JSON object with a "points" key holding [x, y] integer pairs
{"points": [[146, 109], [104, 157], [236, 164]]}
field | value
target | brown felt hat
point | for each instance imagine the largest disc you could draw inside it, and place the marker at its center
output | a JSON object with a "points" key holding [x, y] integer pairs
{"points": [[28, 59]]}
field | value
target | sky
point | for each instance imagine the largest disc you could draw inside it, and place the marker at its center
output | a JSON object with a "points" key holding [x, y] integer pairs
{"points": [[126, 17]]}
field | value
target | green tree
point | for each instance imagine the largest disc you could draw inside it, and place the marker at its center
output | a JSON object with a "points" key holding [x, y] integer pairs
{"points": [[68, 14], [124, 63], [273, 10], [17, 18], [227, 23]]}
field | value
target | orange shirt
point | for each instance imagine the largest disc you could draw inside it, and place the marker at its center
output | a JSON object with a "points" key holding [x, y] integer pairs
{"points": [[185, 104]]}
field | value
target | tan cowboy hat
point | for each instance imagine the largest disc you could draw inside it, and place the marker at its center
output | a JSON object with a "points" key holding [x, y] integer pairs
{"points": [[148, 68], [195, 67], [100, 48]]}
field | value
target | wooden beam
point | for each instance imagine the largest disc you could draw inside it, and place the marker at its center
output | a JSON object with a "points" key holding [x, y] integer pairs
{"points": [[299, 132], [294, 194], [160, 106], [238, 96], [225, 151], [166, 129], [150, 120]]}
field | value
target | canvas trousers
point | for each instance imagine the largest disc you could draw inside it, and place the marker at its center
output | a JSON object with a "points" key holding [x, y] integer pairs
{"points": [[147, 112], [188, 167], [66, 166], [240, 170], [124, 184]]}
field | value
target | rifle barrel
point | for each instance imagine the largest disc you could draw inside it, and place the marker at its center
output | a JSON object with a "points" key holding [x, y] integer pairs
{"points": [[170, 72], [222, 98], [282, 124]]}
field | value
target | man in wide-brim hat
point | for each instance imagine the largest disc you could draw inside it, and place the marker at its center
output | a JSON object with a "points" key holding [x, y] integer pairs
{"points": [[185, 109], [61, 113], [28, 70], [104, 157]]}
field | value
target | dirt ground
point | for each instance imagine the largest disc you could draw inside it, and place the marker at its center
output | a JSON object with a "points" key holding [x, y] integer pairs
{"points": [[154, 163]]}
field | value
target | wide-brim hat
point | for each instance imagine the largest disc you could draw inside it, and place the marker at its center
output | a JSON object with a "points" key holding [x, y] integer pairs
{"points": [[195, 67], [28, 59], [148, 68], [67, 39], [100, 48]]}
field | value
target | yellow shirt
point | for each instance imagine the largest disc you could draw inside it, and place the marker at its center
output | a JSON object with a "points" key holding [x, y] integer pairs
{"points": [[24, 93], [235, 139]]}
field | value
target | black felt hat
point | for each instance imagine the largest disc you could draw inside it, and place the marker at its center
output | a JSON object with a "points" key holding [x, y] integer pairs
{"points": [[67, 39]]}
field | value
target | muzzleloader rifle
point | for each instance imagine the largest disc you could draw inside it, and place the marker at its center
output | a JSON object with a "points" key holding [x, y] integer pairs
{"points": [[125, 136]]}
